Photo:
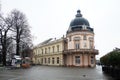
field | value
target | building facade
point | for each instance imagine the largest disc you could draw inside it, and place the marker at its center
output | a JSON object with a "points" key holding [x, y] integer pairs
{"points": [[76, 49], [49, 52]]}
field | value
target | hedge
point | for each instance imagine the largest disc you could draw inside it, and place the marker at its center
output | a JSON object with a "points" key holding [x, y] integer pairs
{"points": [[111, 59]]}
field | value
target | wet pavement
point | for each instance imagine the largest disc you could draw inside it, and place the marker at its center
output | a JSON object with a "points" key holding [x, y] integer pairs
{"points": [[54, 73]]}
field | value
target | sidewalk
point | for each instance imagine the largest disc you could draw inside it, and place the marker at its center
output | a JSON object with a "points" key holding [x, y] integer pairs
{"points": [[2, 68], [10, 67], [5, 67]]}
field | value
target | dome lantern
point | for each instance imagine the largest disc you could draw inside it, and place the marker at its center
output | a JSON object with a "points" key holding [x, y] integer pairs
{"points": [[78, 13]]}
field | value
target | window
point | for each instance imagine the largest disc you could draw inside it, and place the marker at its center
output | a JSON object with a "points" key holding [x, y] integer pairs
{"points": [[52, 60], [49, 60], [77, 45], [45, 60], [45, 50], [53, 48], [38, 51], [37, 61], [49, 49], [57, 60], [91, 39], [42, 60], [85, 45], [77, 42], [57, 48], [42, 51], [91, 44], [70, 38], [92, 60], [84, 37], [35, 52], [77, 59]]}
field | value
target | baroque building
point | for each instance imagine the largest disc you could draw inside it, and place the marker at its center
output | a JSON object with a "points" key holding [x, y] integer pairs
{"points": [[76, 49]]}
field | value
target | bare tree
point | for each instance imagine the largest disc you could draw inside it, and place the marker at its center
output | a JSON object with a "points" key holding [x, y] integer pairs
{"points": [[5, 25], [0, 51], [15, 23], [10, 48], [21, 30]]}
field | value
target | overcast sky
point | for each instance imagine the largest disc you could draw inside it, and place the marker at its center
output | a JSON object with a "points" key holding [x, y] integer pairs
{"points": [[51, 18]]}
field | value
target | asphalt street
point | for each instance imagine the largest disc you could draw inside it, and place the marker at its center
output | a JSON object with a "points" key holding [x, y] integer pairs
{"points": [[54, 73]]}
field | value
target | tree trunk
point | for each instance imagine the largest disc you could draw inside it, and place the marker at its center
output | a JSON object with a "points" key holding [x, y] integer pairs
{"points": [[4, 51], [4, 58], [17, 47], [17, 41]]}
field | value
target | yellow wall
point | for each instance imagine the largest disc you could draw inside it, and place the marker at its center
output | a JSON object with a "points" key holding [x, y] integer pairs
{"points": [[46, 51]]}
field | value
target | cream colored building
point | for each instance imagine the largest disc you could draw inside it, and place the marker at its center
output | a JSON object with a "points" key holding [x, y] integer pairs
{"points": [[49, 52], [76, 49]]}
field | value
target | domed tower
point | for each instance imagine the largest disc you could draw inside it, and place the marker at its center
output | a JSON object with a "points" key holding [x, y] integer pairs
{"points": [[80, 43]]}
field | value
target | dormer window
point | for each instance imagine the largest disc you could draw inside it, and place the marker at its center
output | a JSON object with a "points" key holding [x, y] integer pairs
{"points": [[84, 27]]}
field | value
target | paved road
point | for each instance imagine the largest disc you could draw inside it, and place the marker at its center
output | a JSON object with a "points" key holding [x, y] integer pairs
{"points": [[54, 73]]}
